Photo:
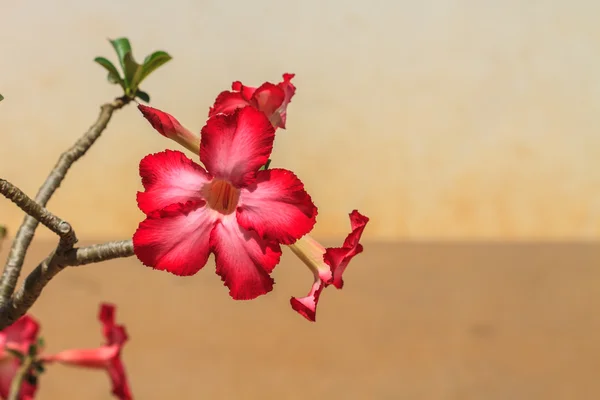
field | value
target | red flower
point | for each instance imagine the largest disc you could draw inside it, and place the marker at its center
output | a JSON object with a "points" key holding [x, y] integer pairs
{"points": [[269, 98], [169, 127], [18, 336], [106, 357], [327, 264], [232, 209]]}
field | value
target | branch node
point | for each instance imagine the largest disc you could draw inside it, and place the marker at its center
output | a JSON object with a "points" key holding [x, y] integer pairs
{"points": [[65, 228]]}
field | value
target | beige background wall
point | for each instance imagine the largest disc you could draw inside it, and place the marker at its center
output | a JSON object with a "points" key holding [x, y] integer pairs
{"points": [[438, 119]]}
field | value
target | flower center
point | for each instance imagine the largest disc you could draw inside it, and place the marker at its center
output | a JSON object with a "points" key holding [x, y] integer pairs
{"points": [[222, 196]]}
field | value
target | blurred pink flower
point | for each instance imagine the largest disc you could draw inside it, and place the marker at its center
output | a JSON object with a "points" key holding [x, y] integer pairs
{"points": [[106, 357], [18, 337]]}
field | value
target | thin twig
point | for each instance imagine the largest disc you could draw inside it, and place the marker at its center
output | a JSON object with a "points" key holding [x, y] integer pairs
{"points": [[99, 252], [3, 231], [24, 235], [32, 286], [17, 383], [61, 228]]}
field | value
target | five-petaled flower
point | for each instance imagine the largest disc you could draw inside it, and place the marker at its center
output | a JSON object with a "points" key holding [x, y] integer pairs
{"points": [[327, 264], [191, 212], [231, 208], [269, 98], [106, 357], [17, 337]]}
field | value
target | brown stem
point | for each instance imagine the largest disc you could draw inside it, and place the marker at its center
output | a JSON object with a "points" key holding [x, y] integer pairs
{"points": [[20, 375], [32, 286], [24, 235], [99, 252], [3, 231], [61, 228]]}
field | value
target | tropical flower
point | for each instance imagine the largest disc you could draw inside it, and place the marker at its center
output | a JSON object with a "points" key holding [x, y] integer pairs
{"points": [[17, 337], [327, 264], [232, 208], [268, 98], [169, 127], [168, 238], [107, 356]]}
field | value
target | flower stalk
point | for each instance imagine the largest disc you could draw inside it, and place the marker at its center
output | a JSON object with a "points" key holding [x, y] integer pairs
{"points": [[22, 373]]}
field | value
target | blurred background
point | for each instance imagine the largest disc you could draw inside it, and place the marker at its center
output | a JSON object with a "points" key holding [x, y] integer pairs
{"points": [[466, 131]]}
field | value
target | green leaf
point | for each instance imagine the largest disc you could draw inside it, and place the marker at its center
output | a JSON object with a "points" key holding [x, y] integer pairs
{"points": [[3, 231], [152, 62], [266, 166], [132, 71], [113, 74], [31, 379], [39, 368], [32, 351], [1, 97], [143, 96], [122, 47], [128, 65], [41, 342], [15, 353]]}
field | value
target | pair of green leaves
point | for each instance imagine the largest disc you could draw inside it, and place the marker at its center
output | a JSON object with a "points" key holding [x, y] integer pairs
{"points": [[133, 73]]}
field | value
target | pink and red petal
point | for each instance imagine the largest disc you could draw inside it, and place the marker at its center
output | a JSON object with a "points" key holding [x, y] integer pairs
{"points": [[243, 259], [20, 335], [28, 391], [107, 357], [227, 102], [8, 369], [118, 378], [246, 91], [99, 357], [279, 117], [164, 123], [170, 177], [114, 334], [234, 146], [25, 329], [168, 126], [9, 366], [327, 265], [339, 257], [103, 357], [307, 306], [277, 207], [269, 98], [175, 239]]}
